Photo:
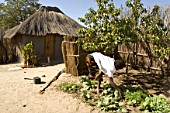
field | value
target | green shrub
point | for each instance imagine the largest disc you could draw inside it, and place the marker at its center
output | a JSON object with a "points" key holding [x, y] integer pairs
{"points": [[87, 83], [70, 87], [155, 104], [29, 56], [109, 100], [135, 97]]}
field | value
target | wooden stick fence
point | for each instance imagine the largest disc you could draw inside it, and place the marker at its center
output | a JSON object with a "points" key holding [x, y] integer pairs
{"points": [[142, 56], [138, 55]]}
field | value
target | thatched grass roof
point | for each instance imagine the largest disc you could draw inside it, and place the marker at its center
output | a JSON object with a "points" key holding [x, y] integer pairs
{"points": [[10, 33], [46, 20]]}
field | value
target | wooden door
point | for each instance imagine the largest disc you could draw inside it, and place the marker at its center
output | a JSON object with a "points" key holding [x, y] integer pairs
{"points": [[49, 46]]}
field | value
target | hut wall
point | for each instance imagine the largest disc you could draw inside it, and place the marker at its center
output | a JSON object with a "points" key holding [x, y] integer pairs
{"points": [[19, 46], [49, 45], [2, 48], [74, 57], [58, 48], [38, 43], [21, 41], [2, 53], [52, 47], [10, 51]]}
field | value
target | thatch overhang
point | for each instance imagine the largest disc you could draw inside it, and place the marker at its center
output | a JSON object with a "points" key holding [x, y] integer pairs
{"points": [[46, 20], [10, 33]]}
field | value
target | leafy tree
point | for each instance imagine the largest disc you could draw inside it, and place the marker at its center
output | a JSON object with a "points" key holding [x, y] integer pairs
{"points": [[100, 33], [106, 28], [13, 12], [154, 30]]}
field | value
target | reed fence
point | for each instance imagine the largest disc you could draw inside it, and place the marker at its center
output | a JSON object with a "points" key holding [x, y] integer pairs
{"points": [[142, 56]]}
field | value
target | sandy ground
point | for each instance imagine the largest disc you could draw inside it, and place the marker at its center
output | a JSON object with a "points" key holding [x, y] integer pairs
{"points": [[18, 95]]}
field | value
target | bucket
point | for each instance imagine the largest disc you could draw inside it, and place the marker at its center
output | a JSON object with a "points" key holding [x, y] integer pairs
{"points": [[37, 80]]}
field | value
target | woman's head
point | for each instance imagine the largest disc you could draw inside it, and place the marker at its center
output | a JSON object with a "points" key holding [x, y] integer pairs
{"points": [[119, 64]]}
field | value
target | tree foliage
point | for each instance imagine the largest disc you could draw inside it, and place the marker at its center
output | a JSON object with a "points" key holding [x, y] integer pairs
{"points": [[155, 31], [13, 12], [106, 28], [101, 32]]}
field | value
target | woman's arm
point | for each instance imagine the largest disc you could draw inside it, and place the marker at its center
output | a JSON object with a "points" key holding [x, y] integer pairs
{"points": [[99, 75]]}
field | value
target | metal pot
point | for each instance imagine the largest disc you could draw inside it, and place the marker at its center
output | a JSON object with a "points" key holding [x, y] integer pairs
{"points": [[37, 80]]}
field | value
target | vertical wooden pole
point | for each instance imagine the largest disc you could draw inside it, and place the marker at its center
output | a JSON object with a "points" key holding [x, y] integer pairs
{"points": [[127, 61], [64, 52]]}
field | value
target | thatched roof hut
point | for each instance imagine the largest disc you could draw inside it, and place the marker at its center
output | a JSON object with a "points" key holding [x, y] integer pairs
{"points": [[46, 20], [45, 28]]}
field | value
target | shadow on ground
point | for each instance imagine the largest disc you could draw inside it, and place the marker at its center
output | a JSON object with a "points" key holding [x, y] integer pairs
{"points": [[155, 83]]}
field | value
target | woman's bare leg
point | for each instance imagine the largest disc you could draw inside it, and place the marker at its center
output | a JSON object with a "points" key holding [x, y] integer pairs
{"points": [[116, 87], [98, 85]]}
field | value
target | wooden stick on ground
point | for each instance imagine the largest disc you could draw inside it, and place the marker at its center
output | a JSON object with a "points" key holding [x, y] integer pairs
{"points": [[55, 78]]}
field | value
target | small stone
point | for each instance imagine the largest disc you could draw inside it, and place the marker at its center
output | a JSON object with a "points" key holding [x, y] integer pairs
{"points": [[24, 105], [43, 76]]}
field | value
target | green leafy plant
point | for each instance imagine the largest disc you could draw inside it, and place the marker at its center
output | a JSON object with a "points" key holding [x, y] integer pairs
{"points": [[138, 98], [70, 87], [28, 54], [87, 83], [135, 97], [155, 104], [27, 50], [86, 95], [109, 101]]}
